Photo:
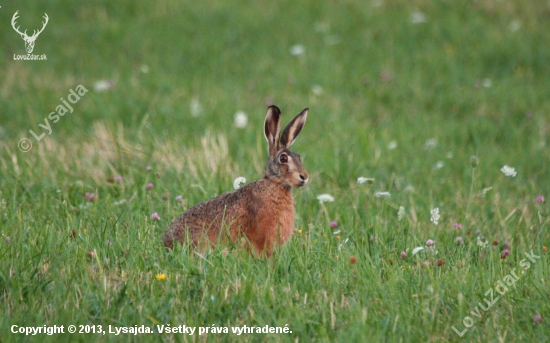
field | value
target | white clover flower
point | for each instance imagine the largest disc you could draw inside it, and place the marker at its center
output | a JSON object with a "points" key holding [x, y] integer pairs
{"points": [[382, 194], [195, 107], [418, 18], [317, 90], [416, 250], [239, 182], [482, 242], [325, 198], [486, 83], [368, 180], [439, 165], [508, 171], [435, 215], [515, 25], [430, 143], [297, 50], [401, 213], [392, 145], [241, 119], [103, 85]]}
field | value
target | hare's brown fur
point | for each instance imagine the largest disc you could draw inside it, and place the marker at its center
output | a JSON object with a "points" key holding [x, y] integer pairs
{"points": [[262, 211]]}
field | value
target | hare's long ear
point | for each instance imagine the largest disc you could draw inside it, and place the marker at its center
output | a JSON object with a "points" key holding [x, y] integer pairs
{"points": [[293, 128], [272, 129]]}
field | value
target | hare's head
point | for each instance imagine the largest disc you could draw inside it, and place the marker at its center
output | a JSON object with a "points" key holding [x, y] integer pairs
{"points": [[284, 166]]}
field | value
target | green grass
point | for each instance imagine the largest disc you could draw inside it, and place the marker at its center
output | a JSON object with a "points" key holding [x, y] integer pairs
{"points": [[473, 77]]}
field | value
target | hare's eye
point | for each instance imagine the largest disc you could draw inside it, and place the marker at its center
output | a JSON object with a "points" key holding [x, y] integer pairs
{"points": [[283, 158]]}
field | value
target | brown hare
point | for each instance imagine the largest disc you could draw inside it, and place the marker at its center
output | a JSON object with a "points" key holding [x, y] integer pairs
{"points": [[262, 211]]}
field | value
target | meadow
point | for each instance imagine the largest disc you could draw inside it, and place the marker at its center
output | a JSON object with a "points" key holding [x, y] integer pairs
{"points": [[428, 126]]}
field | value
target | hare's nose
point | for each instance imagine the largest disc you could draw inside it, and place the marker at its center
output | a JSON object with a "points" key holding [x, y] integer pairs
{"points": [[304, 178]]}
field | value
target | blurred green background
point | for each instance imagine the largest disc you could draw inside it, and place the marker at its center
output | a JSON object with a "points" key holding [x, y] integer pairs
{"points": [[377, 69], [473, 75]]}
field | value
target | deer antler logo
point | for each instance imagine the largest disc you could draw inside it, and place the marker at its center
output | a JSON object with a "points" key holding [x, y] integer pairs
{"points": [[29, 41]]}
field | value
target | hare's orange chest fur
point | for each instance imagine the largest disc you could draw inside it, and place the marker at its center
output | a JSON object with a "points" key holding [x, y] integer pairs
{"points": [[273, 218], [262, 211]]}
